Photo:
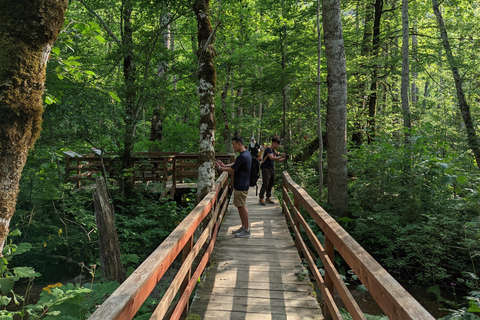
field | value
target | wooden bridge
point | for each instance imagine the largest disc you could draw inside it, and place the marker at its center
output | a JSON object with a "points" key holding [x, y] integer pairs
{"points": [[261, 277], [169, 169]]}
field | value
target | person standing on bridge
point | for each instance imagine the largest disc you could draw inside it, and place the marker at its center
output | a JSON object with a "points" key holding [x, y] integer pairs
{"points": [[269, 157], [241, 183]]}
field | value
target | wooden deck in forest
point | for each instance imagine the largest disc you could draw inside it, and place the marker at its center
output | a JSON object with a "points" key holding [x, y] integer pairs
{"points": [[255, 278]]}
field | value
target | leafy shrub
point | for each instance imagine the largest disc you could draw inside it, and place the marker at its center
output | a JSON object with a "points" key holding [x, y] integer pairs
{"points": [[417, 214]]}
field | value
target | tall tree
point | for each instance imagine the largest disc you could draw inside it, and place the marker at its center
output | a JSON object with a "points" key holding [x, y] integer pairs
{"points": [[206, 90], [131, 108], [319, 104], [336, 107], [28, 29], [405, 71], [372, 99], [462, 102]]}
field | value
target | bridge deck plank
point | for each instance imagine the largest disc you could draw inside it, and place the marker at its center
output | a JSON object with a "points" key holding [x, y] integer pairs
{"points": [[255, 278]]}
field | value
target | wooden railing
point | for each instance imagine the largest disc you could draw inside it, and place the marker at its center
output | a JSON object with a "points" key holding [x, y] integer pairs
{"points": [[160, 167], [128, 298], [391, 297]]}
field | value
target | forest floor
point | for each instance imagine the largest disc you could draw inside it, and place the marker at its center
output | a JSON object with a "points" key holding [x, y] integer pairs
{"points": [[368, 305]]}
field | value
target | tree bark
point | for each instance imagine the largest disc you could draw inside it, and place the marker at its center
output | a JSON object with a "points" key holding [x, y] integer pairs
{"points": [[336, 107], [206, 91], [156, 129], [226, 132], [462, 102], [28, 30], [109, 247], [362, 85], [372, 100], [318, 143], [131, 117], [405, 72], [319, 104]]}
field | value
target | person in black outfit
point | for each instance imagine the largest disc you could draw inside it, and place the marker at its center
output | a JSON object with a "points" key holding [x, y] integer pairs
{"points": [[269, 157], [254, 147], [241, 183]]}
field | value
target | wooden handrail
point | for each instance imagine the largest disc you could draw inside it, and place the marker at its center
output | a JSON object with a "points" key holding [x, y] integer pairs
{"points": [[128, 298], [391, 297], [153, 166]]}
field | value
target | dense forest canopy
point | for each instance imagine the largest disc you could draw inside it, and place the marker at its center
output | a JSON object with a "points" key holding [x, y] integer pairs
{"points": [[123, 77]]}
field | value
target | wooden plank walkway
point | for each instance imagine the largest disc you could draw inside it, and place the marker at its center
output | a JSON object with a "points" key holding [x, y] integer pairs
{"points": [[254, 278]]}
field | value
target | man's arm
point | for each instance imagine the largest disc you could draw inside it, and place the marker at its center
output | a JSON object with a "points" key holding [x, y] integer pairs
{"points": [[225, 167], [221, 164], [276, 158]]}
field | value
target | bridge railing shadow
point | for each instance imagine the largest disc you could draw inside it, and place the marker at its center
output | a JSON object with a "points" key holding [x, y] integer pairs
{"points": [[390, 296], [129, 297]]}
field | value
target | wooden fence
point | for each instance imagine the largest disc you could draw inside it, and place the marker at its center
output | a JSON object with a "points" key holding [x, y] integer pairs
{"points": [[163, 167], [128, 298], [391, 297]]}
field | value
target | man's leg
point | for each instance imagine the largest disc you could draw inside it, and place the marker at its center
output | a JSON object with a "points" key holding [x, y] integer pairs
{"points": [[270, 183], [243, 213], [265, 177]]}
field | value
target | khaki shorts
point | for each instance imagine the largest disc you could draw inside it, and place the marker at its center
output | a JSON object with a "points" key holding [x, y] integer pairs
{"points": [[240, 198]]}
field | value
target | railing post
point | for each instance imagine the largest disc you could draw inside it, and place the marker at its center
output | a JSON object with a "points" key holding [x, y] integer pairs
{"points": [[174, 176], [330, 251], [296, 204], [186, 250], [180, 162]]}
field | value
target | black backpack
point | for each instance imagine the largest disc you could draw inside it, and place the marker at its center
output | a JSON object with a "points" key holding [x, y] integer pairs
{"points": [[255, 173]]}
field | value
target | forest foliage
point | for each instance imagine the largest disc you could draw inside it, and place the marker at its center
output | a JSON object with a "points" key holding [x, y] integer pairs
{"points": [[414, 206]]}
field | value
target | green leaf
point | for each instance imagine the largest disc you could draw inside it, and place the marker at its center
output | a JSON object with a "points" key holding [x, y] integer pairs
{"points": [[56, 50], [114, 96], [49, 100], [25, 272], [100, 39], [461, 179], [22, 248], [15, 233], [473, 306], [91, 73], [6, 285]]}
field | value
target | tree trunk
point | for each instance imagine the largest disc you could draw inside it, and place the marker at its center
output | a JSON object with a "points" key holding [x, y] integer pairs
{"points": [[206, 91], [462, 102], [405, 72], [336, 107], [109, 247], [362, 85], [130, 94], [319, 104], [414, 90], [226, 132], [318, 143], [260, 115], [28, 29], [156, 129], [372, 100]]}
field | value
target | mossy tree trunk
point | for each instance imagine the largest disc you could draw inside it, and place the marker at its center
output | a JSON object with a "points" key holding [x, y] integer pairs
{"points": [[206, 91], [28, 29]]}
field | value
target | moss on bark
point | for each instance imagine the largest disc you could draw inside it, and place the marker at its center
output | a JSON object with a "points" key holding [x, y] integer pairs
{"points": [[28, 29]]}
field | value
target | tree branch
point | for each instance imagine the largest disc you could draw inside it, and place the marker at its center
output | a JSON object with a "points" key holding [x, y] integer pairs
{"points": [[110, 33]]}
